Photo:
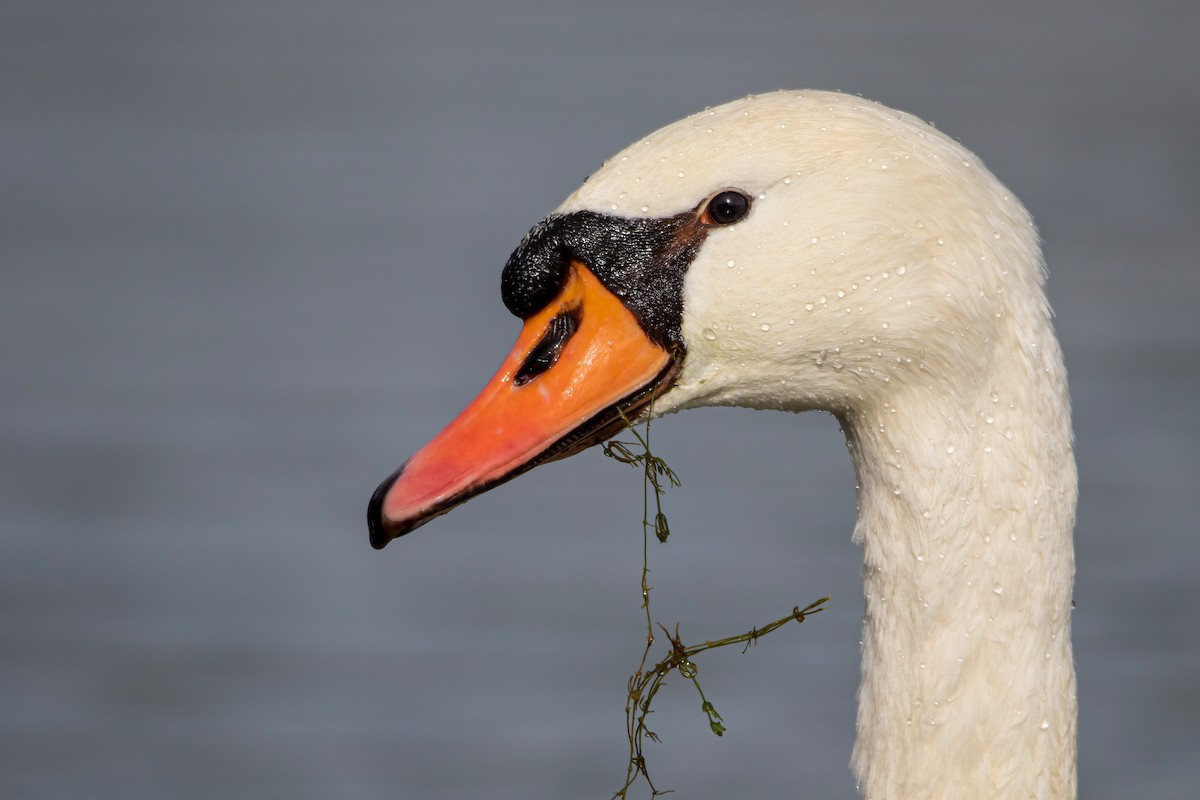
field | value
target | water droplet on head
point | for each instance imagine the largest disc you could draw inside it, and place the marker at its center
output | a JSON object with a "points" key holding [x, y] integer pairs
{"points": [[998, 589], [900, 270], [808, 306], [709, 334], [765, 326]]}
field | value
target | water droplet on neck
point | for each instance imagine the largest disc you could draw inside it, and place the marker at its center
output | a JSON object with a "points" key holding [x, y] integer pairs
{"points": [[766, 326], [709, 334]]}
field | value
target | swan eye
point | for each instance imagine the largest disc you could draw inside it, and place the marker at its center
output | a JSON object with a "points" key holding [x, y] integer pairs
{"points": [[726, 208]]}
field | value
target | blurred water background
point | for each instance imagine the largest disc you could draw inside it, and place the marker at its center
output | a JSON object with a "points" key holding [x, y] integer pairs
{"points": [[249, 261]]}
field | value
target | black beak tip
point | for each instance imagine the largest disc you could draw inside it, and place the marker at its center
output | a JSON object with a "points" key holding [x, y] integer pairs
{"points": [[379, 538], [378, 529]]}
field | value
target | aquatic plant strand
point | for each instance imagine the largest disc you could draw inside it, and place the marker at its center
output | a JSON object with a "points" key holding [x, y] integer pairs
{"points": [[644, 683]]}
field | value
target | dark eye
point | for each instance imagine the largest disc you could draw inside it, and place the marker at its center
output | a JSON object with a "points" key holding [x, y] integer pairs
{"points": [[726, 208]]}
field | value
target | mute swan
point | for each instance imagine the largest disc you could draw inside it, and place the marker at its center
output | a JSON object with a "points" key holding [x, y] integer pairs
{"points": [[809, 250]]}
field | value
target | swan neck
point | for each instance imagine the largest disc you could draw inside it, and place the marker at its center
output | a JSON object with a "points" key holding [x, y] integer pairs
{"points": [[966, 508]]}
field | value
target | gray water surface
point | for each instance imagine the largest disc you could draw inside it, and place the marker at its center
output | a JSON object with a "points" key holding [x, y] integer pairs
{"points": [[249, 261]]}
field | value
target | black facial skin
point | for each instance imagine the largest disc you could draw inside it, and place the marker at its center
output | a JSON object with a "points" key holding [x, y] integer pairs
{"points": [[641, 261]]}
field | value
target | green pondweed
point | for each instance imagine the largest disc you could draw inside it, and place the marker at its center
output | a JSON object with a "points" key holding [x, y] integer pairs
{"points": [[645, 682]]}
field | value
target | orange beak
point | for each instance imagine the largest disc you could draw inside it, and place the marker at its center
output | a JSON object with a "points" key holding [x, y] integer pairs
{"points": [[578, 365]]}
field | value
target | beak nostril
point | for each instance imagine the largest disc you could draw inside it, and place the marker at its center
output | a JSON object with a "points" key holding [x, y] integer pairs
{"points": [[546, 352]]}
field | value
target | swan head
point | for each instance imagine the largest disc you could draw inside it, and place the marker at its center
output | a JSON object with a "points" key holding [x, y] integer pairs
{"points": [[794, 250]]}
